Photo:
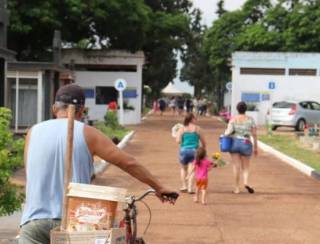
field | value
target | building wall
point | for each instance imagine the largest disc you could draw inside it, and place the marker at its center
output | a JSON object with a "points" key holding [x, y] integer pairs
{"points": [[90, 79], [83, 61], [286, 87]]}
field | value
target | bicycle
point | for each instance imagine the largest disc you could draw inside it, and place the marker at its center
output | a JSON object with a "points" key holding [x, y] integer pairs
{"points": [[129, 221]]}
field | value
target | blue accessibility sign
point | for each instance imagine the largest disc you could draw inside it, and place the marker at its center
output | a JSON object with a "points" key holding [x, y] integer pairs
{"points": [[272, 85]]}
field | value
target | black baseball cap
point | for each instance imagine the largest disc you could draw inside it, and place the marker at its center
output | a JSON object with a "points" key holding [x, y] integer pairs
{"points": [[71, 94]]}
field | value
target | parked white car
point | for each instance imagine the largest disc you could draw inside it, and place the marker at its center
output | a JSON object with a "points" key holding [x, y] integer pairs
{"points": [[295, 114]]}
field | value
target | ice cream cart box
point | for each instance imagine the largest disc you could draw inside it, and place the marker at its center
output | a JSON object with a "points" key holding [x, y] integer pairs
{"points": [[92, 207]]}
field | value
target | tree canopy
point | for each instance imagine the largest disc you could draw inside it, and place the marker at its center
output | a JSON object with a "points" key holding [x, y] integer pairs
{"points": [[260, 25], [157, 27]]}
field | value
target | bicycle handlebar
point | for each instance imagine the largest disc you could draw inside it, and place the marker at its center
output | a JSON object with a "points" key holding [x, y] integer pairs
{"points": [[151, 191], [172, 196]]}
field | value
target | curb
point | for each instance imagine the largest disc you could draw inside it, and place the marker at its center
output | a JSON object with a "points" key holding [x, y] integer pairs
{"points": [[146, 116], [305, 169], [101, 166], [125, 140]]}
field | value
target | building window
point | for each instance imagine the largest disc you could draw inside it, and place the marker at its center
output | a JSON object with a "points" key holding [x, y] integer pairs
{"points": [[23, 101], [106, 94], [262, 71], [307, 72]]}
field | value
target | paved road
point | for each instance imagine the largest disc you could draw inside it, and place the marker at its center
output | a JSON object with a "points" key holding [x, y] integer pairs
{"points": [[285, 208]]}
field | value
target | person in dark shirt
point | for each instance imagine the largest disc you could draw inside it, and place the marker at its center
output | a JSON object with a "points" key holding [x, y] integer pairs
{"points": [[162, 105], [189, 105]]}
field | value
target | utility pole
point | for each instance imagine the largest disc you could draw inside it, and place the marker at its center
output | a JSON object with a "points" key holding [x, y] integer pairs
{"points": [[3, 45], [56, 47]]}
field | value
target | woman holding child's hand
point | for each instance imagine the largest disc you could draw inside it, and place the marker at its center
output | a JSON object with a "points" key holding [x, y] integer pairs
{"points": [[189, 138]]}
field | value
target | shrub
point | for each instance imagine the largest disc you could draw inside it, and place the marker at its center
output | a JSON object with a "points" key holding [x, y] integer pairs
{"points": [[112, 133], [111, 120], [11, 157]]}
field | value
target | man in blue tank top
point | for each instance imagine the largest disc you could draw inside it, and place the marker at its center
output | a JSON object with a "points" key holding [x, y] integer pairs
{"points": [[44, 163]]}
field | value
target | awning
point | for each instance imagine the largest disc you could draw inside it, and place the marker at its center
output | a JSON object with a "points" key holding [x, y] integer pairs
{"points": [[171, 90], [7, 54]]}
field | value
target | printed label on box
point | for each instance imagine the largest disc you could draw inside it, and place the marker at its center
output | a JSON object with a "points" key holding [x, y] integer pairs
{"points": [[102, 241]]}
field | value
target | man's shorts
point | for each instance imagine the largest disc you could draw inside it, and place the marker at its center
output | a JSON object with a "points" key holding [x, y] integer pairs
{"points": [[38, 231], [202, 184], [187, 155], [241, 146]]}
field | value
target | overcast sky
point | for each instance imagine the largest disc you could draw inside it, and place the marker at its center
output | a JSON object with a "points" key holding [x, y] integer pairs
{"points": [[209, 7]]}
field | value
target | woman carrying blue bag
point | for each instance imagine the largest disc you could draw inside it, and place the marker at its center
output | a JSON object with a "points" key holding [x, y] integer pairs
{"points": [[241, 128]]}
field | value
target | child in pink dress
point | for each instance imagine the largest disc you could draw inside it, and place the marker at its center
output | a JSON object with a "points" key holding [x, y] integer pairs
{"points": [[201, 167]]}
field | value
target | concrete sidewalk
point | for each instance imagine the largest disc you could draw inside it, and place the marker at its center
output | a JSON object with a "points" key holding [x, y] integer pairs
{"points": [[285, 208]]}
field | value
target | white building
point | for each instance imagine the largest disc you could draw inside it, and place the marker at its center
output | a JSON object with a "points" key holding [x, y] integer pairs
{"points": [[30, 88], [262, 78], [97, 70]]}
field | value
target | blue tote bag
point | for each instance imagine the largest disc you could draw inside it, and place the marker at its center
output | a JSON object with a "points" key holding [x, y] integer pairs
{"points": [[225, 143]]}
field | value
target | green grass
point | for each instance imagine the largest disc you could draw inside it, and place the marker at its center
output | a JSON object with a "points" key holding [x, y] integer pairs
{"points": [[291, 146], [119, 132], [146, 110]]}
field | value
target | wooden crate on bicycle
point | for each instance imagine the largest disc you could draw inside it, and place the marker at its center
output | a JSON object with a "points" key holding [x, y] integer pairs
{"points": [[92, 207], [112, 236]]}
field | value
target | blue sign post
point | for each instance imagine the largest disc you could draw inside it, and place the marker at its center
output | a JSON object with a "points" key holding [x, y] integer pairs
{"points": [[272, 87], [121, 85]]}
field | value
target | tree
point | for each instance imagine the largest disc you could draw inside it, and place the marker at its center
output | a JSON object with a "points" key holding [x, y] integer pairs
{"points": [[93, 20], [195, 70], [11, 157], [157, 27], [284, 27], [169, 25], [221, 10], [219, 43], [260, 25], [254, 10]]}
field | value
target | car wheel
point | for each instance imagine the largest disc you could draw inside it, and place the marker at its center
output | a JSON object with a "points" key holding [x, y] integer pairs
{"points": [[300, 125], [274, 127]]}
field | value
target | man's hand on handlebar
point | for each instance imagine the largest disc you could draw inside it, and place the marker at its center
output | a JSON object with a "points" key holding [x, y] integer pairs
{"points": [[167, 196]]}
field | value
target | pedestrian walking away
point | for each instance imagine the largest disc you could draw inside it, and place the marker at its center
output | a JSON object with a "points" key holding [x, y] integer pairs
{"points": [[201, 166], [189, 105], [162, 105], [189, 138], [173, 105], [180, 104], [242, 127], [44, 162], [155, 106]]}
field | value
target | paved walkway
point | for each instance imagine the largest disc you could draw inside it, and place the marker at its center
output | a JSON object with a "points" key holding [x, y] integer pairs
{"points": [[285, 208]]}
